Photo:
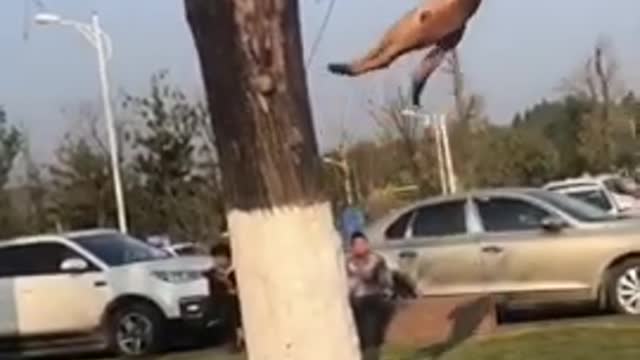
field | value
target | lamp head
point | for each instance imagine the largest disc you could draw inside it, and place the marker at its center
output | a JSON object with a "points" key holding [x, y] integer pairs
{"points": [[47, 19]]}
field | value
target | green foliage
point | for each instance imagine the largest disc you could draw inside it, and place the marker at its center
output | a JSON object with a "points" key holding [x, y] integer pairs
{"points": [[515, 157], [82, 195], [404, 140], [583, 141], [178, 184], [171, 177], [559, 122], [37, 218], [590, 341], [11, 141]]}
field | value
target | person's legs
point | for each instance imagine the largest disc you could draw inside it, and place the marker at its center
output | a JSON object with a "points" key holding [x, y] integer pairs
{"points": [[227, 306], [358, 318], [370, 334], [371, 353], [377, 313], [238, 322], [235, 323], [384, 313]]}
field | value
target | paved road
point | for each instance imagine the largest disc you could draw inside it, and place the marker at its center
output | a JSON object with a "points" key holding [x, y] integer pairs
{"points": [[208, 354], [519, 322]]}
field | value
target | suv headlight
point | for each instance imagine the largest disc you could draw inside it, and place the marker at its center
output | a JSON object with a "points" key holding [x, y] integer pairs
{"points": [[178, 277]]}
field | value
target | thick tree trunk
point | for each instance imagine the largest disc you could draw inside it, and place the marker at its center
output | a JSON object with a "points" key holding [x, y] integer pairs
{"points": [[288, 256]]}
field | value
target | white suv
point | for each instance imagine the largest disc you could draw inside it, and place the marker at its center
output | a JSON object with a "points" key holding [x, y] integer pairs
{"points": [[101, 288], [604, 191]]}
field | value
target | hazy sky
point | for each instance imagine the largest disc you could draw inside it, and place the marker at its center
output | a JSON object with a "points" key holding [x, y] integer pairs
{"points": [[515, 53]]}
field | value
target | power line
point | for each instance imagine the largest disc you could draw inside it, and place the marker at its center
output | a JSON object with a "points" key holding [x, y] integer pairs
{"points": [[321, 32]]}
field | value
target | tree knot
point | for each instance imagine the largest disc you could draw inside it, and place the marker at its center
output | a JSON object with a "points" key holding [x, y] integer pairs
{"points": [[264, 84]]}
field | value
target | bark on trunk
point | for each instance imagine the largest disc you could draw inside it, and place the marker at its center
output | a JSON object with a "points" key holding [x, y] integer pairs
{"points": [[289, 261]]}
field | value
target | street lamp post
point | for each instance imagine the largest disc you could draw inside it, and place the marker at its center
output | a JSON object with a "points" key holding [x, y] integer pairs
{"points": [[102, 43], [343, 165], [442, 122], [443, 148], [441, 168]]}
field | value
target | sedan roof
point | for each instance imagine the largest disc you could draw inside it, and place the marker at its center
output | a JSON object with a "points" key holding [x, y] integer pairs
{"points": [[384, 221]]}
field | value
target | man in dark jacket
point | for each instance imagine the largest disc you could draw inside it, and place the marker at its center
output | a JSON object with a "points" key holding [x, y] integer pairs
{"points": [[224, 291]]}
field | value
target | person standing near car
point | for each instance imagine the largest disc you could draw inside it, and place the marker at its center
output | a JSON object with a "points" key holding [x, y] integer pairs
{"points": [[225, 292], [370, 291]]}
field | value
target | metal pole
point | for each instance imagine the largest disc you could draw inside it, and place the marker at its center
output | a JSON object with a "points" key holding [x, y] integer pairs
{"points": [[347, 185], [441, 167], [344, 164], [447, 154], [111, 130]]}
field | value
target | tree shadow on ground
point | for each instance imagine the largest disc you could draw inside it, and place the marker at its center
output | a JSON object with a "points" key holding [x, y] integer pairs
{"points": [[466, 320]]}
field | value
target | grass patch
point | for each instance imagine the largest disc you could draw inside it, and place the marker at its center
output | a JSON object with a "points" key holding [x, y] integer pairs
{"points": [[578, 343]]}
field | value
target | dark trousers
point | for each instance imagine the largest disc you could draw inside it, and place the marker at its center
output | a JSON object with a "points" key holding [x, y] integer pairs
{"points": [[371, 314], [227, 309], [231, 307]]}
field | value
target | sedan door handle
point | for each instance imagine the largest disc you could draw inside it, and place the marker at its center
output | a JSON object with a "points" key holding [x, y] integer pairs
{"points": [[492, 249], [408, 255]]}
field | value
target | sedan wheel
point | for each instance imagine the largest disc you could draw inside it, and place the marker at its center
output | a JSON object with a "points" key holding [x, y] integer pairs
{"points": [[628, 290], [623, 287]]}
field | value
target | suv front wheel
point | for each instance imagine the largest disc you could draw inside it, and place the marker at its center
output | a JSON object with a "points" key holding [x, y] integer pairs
{"points": [[136, 330], [623, 287]]}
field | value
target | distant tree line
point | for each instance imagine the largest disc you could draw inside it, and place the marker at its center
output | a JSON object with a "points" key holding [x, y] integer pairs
{"points": [[170, 173], [592, 126], [172, 179]]}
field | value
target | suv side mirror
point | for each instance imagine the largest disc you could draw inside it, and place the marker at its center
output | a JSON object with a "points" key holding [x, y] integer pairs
{"points": [[74, 266], [553, 224]]}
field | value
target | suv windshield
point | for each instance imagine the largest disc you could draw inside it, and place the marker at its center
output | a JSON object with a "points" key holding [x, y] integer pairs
{"points": [[620, 186], [116, 249], [593, 197], [577, 209]]}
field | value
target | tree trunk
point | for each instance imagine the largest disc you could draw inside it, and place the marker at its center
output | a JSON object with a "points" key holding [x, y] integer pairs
{"points": [[289, 262]]}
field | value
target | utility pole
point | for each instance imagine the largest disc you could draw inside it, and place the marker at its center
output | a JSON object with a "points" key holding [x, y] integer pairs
{"points": [[286, 251]]}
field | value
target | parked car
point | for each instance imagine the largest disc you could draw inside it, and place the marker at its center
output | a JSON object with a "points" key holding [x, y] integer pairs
{"points": [[528, 246], [97, 290], [623, 187], [588, 190], [607, 192]]}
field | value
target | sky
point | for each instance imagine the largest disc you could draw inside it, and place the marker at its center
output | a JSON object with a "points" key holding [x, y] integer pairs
{"points": [[514, 54]]}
